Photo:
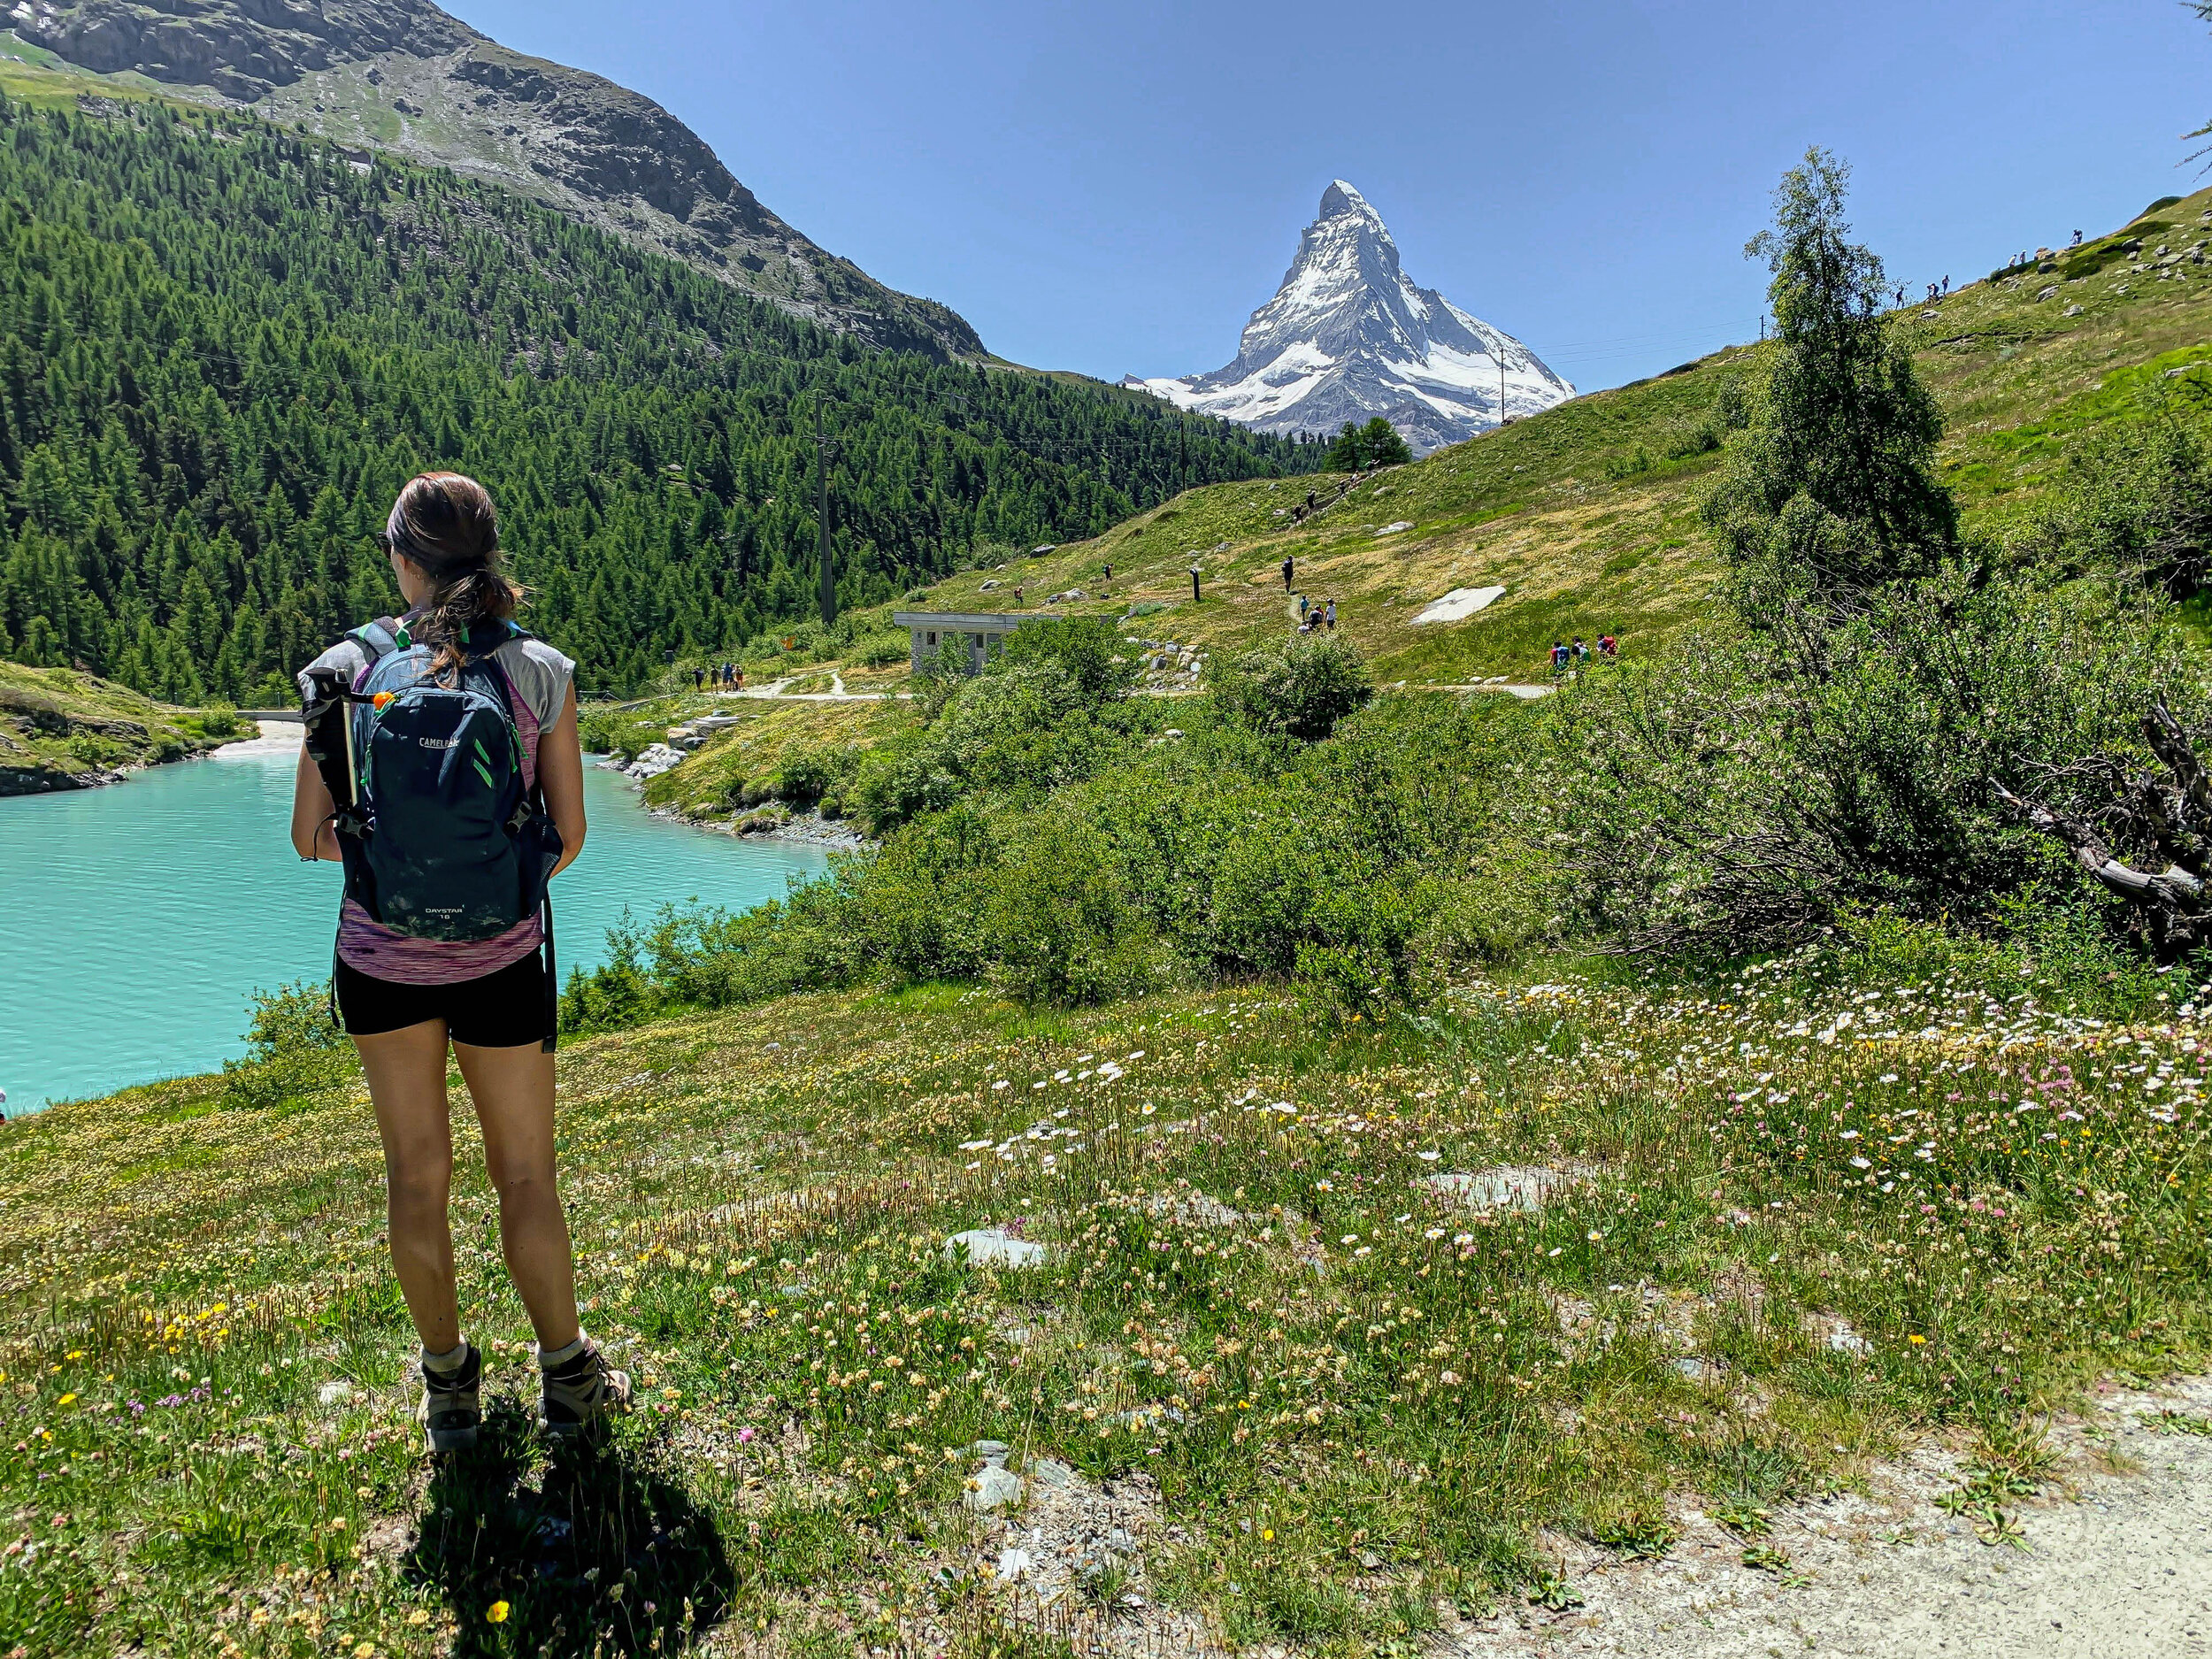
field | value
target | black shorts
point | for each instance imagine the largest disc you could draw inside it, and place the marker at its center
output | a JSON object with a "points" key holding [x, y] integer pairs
{"points": [[501, 1011]]}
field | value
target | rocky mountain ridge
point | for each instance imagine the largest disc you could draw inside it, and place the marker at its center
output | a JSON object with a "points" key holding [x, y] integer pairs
{"points": [[1349, 336], [405, 77]]}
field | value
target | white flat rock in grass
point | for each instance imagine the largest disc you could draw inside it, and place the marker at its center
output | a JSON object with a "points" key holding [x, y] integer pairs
{"points": [[1459, 604], [1393, 529], [1507, 1186], [993, 1247]]}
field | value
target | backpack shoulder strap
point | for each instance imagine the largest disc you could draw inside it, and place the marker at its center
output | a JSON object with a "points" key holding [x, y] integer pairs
{"points": [[380, 638]]}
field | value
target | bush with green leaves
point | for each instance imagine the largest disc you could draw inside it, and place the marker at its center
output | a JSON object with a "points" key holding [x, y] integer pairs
{"points": [[1071, 854], [882, 650], [1299, 689], [2135, 499], [1742, 793], [294, 1046]]}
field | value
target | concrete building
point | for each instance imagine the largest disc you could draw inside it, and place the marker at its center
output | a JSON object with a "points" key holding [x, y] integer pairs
{"points": [[981, 635]]}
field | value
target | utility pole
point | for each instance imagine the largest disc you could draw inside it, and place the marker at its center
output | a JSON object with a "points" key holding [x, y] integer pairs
{"points": [[825, 448], [1501, 350]]}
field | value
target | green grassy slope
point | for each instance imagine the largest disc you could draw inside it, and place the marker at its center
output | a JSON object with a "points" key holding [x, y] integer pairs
{"points": [[63, 730], [1588, 513]]}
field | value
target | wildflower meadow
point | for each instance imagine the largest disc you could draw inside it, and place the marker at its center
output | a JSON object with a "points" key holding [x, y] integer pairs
{"points": [[1285, 1325]]}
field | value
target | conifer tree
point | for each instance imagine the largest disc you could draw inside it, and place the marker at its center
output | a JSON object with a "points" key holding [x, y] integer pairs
{"points": [[1830, 488]]}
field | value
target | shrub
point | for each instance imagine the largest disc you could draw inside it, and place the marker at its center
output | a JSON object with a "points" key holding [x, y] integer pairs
{"points": [[1301, 689], [1063, 924], [219, 719], [294, 1046], [882, 651], [1741, 794], [2136, 498], [803, 776], [1087, 650]]}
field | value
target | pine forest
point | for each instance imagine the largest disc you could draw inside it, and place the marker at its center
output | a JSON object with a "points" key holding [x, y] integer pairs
{"points": [[223, 347]]}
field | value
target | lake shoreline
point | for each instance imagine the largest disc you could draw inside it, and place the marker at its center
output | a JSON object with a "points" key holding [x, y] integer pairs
{"points": [[807, 829], [62, 731], [126, 973], [804, 829]]}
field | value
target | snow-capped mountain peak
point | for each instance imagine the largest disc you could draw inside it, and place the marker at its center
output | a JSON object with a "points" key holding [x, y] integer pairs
{"points": [[1349, 336]]}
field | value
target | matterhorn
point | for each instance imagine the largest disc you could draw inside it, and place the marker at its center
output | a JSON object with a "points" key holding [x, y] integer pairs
{"points": [[1349, 336]]}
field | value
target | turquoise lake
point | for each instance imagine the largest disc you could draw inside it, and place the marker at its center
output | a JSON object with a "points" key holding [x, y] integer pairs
{"points": [[136, 919]]}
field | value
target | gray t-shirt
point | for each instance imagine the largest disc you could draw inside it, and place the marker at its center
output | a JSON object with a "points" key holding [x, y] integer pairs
{"points": [[540, 673]]}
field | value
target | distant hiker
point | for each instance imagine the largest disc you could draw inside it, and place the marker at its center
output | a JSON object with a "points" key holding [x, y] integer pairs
{"points": [[1581, 652], [1018, 598], [1609, 647], [1558, 660], [1947, 288], [736, 681], [1308, 500], [1304, 604], [442, 770], [2076, 242], [698, 679], [1290, 569], [1332, 616], [1110, 573], [1193, 582]]}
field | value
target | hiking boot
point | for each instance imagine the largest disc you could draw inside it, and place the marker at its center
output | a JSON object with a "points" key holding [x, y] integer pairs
{"points": [[581, 1391], [450, 1412]]}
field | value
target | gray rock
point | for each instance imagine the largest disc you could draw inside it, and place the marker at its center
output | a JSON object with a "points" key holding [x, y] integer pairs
{"points": [[336, 1394], [2073, 310], [657, 759], [993, 1247], [1507, 1186], [1696, 1369], [1014, 1564], [1052, 1473], [2048, 293], [993, 1488]]}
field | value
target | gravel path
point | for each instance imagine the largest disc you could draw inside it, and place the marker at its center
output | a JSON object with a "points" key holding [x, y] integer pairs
{"points": [[2118, 1566]]}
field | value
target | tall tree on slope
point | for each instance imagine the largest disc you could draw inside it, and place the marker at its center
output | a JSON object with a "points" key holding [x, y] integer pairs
{"points": [[1831, 488]]}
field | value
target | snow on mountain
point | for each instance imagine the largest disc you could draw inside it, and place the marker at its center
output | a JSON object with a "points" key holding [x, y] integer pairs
{"points": [[1349, 336]]}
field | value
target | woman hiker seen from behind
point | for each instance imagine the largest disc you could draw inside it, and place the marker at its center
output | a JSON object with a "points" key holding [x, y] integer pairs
{"points": [[442, 769]]}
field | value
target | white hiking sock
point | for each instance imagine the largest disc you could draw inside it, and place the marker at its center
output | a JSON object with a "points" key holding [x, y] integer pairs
{"points": [[554, 1358], [446, 1364]]}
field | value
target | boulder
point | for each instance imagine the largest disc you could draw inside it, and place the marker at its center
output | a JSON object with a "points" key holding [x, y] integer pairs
{"points": [[657, 759], [1507, 1186], [995, 1247], [992, 1486]]}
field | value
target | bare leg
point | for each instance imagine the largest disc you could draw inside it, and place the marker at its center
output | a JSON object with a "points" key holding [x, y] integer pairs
{"points": [[406, 1073], [513, 1090]]}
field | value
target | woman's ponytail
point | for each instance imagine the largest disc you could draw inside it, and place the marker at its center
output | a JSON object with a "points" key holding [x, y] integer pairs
{"points": [[446, 526]]}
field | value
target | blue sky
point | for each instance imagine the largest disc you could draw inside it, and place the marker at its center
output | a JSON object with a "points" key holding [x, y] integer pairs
{"points": [[1113, 187]]}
